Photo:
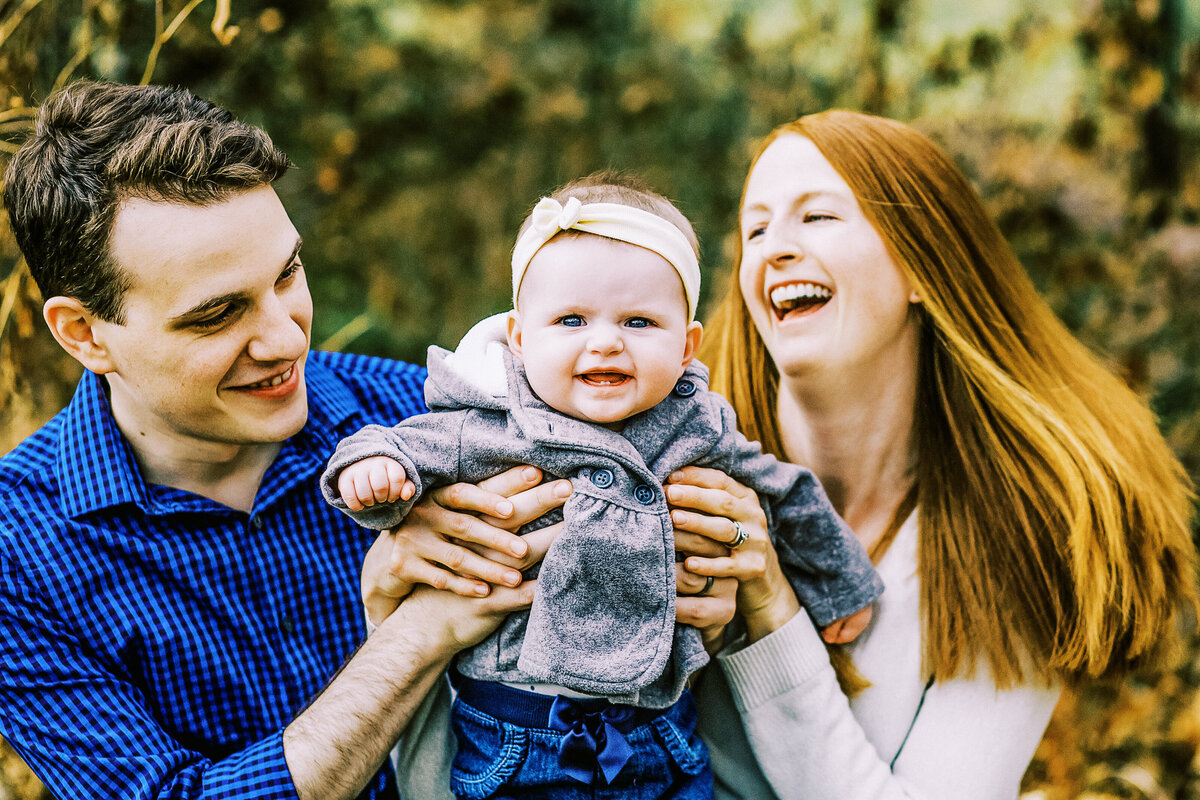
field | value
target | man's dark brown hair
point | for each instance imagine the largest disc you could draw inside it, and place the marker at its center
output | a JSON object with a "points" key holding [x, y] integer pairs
{"points": [[96, 145]]}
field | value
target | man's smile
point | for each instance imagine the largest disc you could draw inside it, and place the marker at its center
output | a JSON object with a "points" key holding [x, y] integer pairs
{"points": [[280, 385]]}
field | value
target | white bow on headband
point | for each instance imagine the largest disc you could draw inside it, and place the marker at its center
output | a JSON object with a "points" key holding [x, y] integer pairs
{"points": [[615, 221]]}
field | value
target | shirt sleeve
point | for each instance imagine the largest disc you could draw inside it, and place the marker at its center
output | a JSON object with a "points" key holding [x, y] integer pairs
{"points": [[88, 732], [967, 740]]}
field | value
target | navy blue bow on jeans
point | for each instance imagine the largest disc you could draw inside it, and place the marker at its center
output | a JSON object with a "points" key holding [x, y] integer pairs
{"points": [[592, 737]]}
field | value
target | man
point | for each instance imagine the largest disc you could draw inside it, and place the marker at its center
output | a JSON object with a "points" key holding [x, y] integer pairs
{"points": [[173, 591]]}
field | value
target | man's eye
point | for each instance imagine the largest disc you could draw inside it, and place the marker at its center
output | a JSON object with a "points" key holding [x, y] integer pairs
{"points": [[639, 322], [571, 321], [214, 321], [290, 271]]}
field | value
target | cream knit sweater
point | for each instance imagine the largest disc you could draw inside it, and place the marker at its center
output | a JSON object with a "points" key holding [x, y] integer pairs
{"points": [[897, 739]]}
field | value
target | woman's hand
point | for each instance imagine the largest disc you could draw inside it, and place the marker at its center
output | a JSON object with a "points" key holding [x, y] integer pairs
{"points": [[460, 538], [705, 504]]}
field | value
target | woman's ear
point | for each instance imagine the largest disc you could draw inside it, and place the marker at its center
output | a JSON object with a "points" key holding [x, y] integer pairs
{"points": [[75, 328]]}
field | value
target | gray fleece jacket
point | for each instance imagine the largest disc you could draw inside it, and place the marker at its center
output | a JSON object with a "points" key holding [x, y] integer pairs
{"points": [[603, 618]]}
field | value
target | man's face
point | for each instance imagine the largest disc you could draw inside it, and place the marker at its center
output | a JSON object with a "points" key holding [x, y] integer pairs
{"points": [[217, 323]]}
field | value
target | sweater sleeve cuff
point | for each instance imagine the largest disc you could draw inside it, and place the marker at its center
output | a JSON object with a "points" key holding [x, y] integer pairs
{"points": [[260, 771], [775, 664]]}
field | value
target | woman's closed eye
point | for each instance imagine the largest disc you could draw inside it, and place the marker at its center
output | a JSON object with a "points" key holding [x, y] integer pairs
{"points": [[755, 232], [819, 216]]}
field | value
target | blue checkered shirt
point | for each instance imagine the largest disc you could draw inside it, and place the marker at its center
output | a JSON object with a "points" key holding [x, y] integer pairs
{"points": [[155, 643]]}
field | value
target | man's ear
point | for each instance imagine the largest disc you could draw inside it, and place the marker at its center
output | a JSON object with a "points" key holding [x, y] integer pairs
{"points": [[74, 327], [692, 341], [514, 333]]}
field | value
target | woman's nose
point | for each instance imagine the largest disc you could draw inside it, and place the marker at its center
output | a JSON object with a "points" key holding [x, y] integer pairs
{"points": [[781, 248]]}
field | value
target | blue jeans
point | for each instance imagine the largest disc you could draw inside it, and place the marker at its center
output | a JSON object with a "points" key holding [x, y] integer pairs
{"points": [[507, 749]]}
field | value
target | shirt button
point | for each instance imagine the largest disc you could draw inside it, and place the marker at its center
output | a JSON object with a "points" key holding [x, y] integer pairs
{"points": [[286, 625], [685, 388], [643, 494], [603, 478], [257, 522]]}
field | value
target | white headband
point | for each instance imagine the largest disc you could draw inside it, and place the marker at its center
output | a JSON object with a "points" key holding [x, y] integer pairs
{"points": [[623, 223]]}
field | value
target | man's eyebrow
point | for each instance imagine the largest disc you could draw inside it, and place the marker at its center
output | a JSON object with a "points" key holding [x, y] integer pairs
{"points": [[211, 303], [199, 310]]}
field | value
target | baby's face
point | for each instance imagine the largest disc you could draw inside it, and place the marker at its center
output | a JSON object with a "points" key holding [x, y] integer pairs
{"points": [[602, 328]]}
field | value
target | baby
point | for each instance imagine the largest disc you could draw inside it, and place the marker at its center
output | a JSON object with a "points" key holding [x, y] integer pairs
{"points": [[591, 377]]}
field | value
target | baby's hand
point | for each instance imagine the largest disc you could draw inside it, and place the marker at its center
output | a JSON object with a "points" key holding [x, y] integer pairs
{"points": [[377, 479], [848, 628]]}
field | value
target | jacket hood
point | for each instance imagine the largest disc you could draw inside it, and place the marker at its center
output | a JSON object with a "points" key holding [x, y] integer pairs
{"points": [[474, 375]]}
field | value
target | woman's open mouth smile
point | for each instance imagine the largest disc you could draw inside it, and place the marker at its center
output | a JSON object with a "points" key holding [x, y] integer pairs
{"points": [[798, 298]]}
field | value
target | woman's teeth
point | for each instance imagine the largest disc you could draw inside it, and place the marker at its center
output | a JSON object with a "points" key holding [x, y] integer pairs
{"points": [[793, 296]]}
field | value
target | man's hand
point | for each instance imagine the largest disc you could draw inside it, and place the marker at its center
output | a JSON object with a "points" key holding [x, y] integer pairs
{"points": [[334, 746], [454, 623], [461, 538], [707, 608]]}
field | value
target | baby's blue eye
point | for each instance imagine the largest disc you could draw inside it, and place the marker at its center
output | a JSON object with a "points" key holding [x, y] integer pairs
{"points": [[571, 321], [638, 322]]}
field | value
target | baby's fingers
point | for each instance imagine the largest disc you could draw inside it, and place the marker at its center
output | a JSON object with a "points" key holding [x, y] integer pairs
{"points": [[397, 482], [348, 489], [378, 482]]}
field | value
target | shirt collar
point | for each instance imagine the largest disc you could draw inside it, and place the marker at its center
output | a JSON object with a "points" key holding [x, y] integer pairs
{"points": [[96, 465], [97, 468]]}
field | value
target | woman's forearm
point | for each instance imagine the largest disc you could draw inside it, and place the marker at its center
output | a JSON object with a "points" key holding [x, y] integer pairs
{"points": [[960, 738]]}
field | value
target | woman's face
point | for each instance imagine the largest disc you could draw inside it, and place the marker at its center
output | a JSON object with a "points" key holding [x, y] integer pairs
{"points": [[821, 287]]}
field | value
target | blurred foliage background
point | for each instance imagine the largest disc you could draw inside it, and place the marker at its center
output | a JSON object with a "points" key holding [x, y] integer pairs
{"points": [[424, 131]]}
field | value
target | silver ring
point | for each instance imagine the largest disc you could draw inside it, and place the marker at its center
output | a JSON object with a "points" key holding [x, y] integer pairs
{"points": [[739, 535], [708, 582]]}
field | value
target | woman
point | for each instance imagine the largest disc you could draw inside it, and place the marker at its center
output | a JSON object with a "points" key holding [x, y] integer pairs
{"points": [[1029, 522]]}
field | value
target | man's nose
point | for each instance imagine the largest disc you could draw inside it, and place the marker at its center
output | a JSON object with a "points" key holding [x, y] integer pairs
{"points": [[280, 336]]}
